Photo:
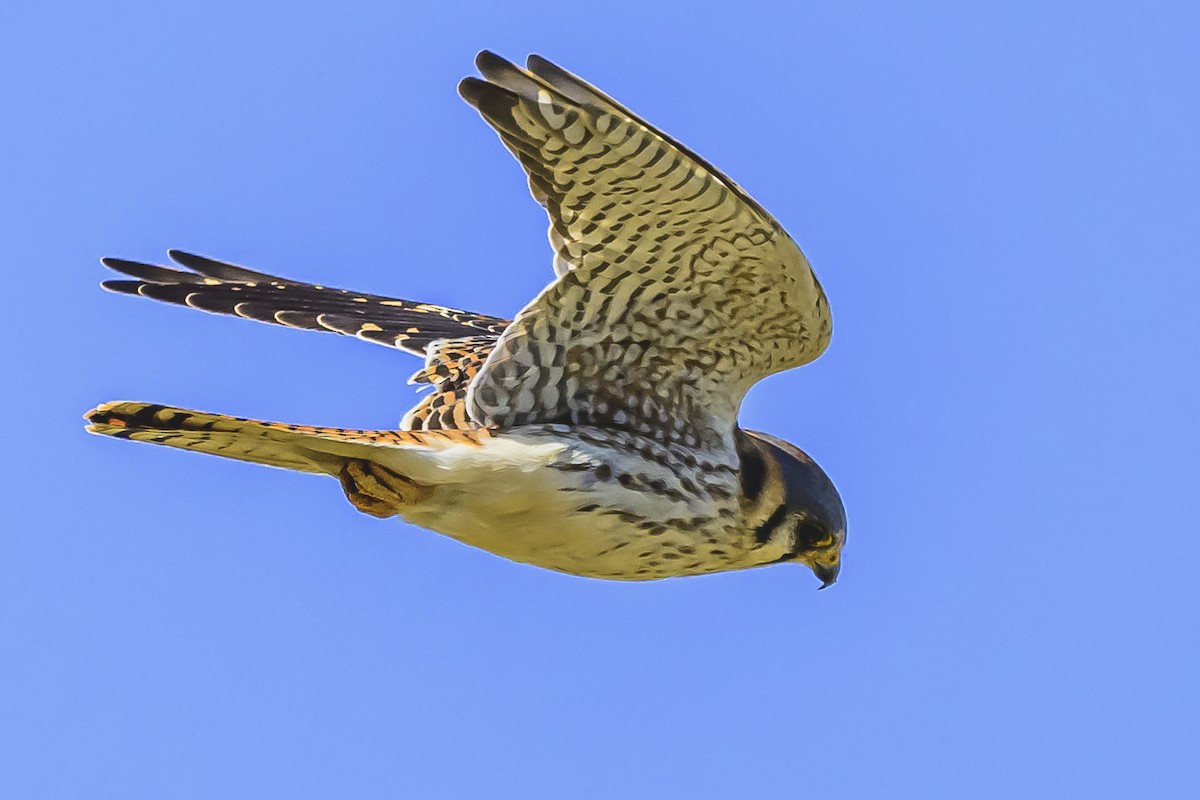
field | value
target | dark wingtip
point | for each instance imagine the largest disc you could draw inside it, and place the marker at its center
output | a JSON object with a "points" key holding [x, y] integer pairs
{"points": [[151, 273], [502, 72], [535, 62], [472, 90], [121, 287], [122, 265], [192, 261], [221, 270], [486, 59]]}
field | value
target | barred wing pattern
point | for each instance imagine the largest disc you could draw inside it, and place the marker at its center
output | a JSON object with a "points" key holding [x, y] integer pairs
{"points": [[222, 288], [675, 292], [454, 343]]}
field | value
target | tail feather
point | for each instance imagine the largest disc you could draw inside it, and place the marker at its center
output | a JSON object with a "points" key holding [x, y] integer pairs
{"points": [[221, 288], [303, 448]]}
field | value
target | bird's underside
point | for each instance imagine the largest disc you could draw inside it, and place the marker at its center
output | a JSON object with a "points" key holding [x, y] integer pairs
{"points": [[595, 433]]}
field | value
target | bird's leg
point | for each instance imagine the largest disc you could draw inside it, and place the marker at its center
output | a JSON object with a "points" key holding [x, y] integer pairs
{"points": [[377, 490]]}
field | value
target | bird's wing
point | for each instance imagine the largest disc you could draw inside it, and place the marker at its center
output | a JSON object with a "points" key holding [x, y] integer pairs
{"points": [[454, 343], [222, 288], [675, 291]]}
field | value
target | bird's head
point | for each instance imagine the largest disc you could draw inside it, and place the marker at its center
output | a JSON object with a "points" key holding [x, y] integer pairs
{"points": [[802, 512]]}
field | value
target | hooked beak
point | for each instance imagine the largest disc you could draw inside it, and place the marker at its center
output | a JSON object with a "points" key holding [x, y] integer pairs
{"points": [[827, 573]]}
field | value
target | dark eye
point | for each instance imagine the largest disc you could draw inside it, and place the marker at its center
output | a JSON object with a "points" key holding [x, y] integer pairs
{"points": [[812, 534]]}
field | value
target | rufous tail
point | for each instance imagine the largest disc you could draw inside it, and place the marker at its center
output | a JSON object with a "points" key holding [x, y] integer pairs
{"points": [[303, 448]]}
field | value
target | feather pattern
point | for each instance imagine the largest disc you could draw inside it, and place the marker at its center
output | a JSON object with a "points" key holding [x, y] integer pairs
{"points": [[675, 292], [595, 433], [221, 288], [454, 343]]}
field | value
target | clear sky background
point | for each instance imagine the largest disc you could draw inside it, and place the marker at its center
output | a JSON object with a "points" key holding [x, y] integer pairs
{"points": [[1002, 201]]}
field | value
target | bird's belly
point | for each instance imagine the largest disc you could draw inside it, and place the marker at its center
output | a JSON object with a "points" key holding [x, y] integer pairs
{"points": [[570, 520]]}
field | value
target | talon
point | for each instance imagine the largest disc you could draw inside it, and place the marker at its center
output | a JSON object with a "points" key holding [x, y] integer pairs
{"points": [[395, 484], [375, 508], [376, 490]]}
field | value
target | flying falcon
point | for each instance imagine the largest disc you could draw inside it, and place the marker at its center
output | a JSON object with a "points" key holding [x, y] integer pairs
{"points": [[596, 432]]}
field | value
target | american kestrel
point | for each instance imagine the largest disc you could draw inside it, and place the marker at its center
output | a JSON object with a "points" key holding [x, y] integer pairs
{"points": [[596, 432]]}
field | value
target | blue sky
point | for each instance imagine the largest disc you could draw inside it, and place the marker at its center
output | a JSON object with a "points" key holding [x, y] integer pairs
{"points": [[1001, 200]]}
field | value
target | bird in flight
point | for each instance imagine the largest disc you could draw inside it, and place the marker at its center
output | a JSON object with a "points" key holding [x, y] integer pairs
{"points": [[596, 432]]}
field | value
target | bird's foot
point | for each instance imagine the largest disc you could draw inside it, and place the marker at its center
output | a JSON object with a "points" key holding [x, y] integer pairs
{"points": [[378, 491]]}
